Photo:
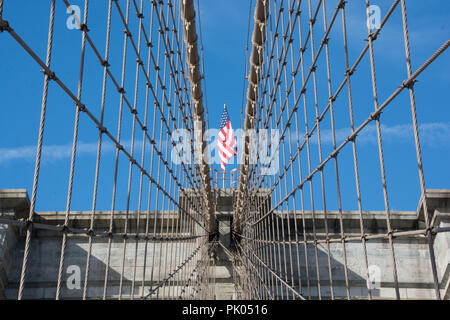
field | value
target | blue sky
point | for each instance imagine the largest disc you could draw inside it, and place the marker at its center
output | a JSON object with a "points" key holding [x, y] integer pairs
{"points": [[224, 33]]}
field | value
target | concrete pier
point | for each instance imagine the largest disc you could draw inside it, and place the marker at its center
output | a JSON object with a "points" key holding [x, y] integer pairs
{"points": [[412, 254]]}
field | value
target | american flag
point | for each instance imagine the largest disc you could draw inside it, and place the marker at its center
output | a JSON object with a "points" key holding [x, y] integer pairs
{"points": [[226, 142]]}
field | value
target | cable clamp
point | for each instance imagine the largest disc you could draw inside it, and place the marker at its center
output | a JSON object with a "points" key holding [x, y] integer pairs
{"points": [[81, 107], [128, 33], [372, 37], [28, 223], [49, 73], [349, 72], [64, 228], [375, 115], [101, 128], [353, 136], [4, 25], [409, 83], [84, 27], [104, 63], [341, 5]]}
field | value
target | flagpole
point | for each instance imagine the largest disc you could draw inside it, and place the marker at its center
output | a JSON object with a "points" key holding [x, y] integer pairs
{"points": [[223, 172]]}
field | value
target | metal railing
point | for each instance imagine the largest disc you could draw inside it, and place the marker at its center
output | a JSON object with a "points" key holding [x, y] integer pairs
{"points": [[225, 179]]}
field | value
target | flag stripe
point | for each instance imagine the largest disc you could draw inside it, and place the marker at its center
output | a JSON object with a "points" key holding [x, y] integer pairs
{"points": [[227, 149], [226, 141]]}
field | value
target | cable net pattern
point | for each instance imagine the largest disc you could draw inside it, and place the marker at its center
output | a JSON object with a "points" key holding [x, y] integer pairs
{"points": [[156, 246], [295, 239]]}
